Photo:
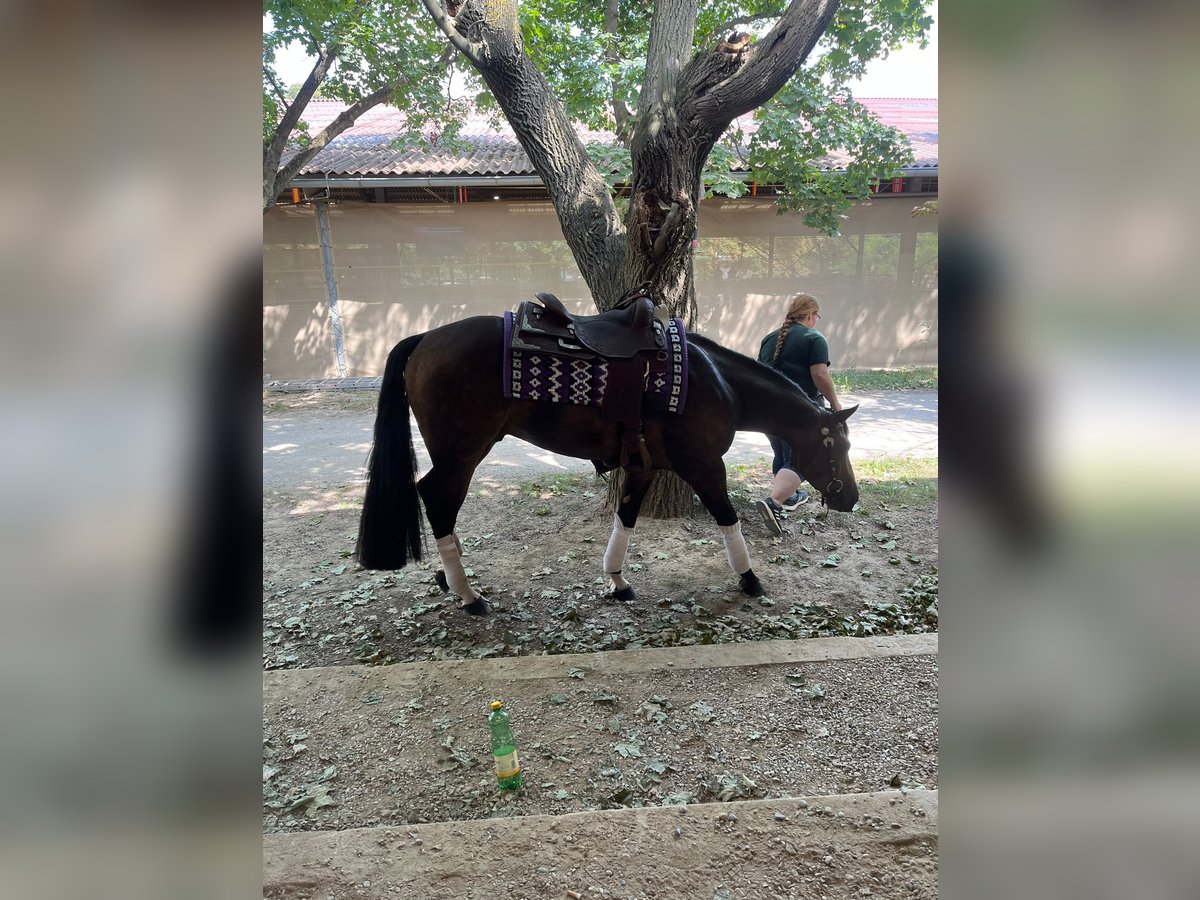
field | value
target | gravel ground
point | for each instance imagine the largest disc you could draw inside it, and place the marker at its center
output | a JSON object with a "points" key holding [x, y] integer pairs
{"points": [[381, 750]]}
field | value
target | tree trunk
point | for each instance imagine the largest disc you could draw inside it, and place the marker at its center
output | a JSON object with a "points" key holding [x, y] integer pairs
{"points": [[581, 198], [685, 106]]}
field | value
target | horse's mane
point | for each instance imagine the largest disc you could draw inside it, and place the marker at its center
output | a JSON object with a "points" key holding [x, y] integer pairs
{"points": [[762, 376]]}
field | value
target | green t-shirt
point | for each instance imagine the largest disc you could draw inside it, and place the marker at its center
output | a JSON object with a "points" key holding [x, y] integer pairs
{"points": [[803, 347]]}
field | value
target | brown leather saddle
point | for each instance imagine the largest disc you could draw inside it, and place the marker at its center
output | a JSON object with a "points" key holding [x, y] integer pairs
{"points": [[624, 331], [624, 336]]}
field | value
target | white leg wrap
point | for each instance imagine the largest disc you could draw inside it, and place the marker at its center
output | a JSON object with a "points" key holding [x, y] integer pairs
{"points": [[614, 556], [449, 549], [735, 548]]}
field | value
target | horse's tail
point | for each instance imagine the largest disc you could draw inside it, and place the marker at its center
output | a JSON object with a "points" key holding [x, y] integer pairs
{"points": [[391, 531]]}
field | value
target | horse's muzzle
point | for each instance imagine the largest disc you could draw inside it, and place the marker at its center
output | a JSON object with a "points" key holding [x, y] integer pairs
{"points": [[839, 497]]}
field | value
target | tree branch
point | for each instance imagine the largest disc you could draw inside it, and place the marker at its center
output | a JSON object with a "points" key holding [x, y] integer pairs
{"points": [[715, 96], [279, 91], [470, 49], [672, 30], [291, 115], [344, 120], [621, 113], [725, 27]]}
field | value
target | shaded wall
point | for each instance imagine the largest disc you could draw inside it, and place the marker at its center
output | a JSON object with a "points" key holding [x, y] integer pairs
{"points": [[403, 268]]}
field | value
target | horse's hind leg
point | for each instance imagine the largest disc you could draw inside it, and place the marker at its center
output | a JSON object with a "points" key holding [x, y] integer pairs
{"points": [[708, 481], [633, 492], [443, 490]]}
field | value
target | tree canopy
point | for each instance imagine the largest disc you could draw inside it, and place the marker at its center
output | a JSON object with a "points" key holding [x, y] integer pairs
{"points": [[674, 80]]}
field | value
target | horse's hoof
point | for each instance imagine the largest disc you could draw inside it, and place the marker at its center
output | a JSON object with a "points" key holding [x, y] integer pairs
{"points": [[441, 581], [625, 594], [751, 586], [477, 607]]}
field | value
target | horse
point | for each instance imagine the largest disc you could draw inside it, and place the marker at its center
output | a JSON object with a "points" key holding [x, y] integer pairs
{"points": [[451, 378]]}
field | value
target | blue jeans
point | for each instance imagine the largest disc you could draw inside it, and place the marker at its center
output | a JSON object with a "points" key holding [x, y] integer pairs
{"points": [[783, 455]]}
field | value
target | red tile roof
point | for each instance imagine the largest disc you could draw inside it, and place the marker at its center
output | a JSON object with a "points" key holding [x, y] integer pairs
{"points": [[367, 147]]}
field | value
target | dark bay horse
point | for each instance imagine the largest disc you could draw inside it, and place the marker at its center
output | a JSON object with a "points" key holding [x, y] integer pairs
{"points": [[451, 378]]}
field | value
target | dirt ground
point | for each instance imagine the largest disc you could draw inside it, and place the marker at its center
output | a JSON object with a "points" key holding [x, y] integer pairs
{"points": [[878, 845], [394, 751], [533, 546]]}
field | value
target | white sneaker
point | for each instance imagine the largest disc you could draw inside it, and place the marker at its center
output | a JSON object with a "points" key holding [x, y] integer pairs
{"points": [[798, 498]]}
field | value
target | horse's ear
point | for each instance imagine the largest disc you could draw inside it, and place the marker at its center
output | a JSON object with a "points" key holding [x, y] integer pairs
{"points": [[843, 415]]}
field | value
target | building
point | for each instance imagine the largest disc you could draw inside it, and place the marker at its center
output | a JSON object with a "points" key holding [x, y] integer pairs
{"points": [[418, 239]]}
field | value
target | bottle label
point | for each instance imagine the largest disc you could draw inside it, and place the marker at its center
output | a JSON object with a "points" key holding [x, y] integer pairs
{"points": [[507, 765]]}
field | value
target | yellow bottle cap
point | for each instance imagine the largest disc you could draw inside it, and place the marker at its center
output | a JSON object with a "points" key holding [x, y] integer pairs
{"points": [[496, 704]]}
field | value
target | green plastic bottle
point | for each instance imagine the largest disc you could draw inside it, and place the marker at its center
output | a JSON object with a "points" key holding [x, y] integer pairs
{"points": [[504, 749]]}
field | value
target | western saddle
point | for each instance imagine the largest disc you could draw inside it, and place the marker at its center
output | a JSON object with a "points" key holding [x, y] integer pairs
{"points": [[619, 333], [622, 336]]}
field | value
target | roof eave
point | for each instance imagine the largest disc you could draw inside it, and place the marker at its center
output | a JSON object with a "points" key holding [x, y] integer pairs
{"points": [[368, 182]]}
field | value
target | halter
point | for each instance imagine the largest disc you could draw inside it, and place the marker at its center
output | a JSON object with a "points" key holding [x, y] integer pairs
{"points": [[835, 484]]}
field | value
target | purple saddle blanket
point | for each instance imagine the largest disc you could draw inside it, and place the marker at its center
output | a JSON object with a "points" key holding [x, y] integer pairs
{"points": [[536, 375]]}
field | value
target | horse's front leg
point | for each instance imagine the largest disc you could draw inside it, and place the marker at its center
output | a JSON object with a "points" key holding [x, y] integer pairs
{"points": [[632, 493], [708, 481]]}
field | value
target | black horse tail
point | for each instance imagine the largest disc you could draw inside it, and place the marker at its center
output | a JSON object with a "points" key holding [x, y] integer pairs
{"points": [[391, 531]]}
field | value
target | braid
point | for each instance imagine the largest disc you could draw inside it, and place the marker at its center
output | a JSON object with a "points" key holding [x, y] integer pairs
{"points": [[783, 331]]}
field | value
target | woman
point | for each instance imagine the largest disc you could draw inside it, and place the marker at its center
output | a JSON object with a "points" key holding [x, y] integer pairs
{"points": [[801, 353]]}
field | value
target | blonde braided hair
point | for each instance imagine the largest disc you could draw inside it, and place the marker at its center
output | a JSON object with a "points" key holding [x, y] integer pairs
{"points": [[799, 307]]}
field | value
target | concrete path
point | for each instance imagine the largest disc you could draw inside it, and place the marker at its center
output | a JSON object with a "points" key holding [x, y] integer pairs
{"points": [[309, 448]]}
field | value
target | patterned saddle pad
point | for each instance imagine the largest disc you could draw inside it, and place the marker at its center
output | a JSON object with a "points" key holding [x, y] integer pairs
{"points": [[539, 375]]}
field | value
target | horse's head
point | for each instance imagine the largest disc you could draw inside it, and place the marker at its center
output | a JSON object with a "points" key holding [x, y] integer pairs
{"points": [[823, 457]]}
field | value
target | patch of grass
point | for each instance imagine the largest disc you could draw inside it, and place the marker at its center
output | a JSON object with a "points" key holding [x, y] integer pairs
{"points": [[542, 486], [905, 479], [897, 468], [909, 378], [277, 402], [901, 479]]}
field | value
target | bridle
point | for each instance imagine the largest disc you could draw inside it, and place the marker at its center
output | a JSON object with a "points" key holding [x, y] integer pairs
{"points": [[835, 483]]}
